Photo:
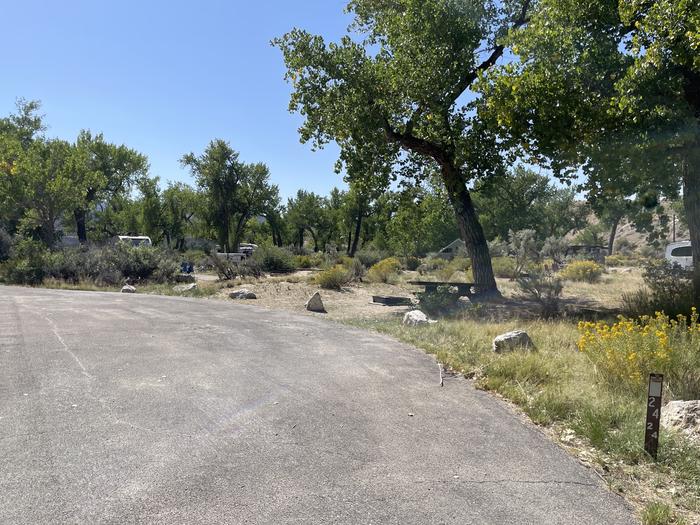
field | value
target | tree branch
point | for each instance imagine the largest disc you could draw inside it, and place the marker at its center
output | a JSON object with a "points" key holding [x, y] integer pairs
{"points": [[491, 60], [416, 144]]}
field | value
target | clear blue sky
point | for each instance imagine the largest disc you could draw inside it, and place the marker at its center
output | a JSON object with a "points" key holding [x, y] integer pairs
{"points": [[165, 77]]}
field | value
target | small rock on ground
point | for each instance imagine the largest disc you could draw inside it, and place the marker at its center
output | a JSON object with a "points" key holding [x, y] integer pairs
{"points": [[127, 288], [243, 293], [415, 318], [315, 304], [512, 340]]}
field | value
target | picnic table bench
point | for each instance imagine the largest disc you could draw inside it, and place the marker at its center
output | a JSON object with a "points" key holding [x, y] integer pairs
{"points": [[432, 286]]}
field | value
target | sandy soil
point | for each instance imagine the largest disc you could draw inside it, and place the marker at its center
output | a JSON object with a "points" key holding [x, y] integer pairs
{"points": [[353, 302]]}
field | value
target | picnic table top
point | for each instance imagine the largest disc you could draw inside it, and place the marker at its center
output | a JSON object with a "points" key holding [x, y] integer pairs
{"points": [[439, 283]]}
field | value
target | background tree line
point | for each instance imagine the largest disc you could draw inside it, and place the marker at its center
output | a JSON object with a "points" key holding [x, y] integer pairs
{"points": [[96, 190]]}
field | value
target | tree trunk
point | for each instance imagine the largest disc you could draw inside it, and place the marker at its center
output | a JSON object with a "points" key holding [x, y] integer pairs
{"points": [[47, 232], [691, 203], [80, 225], [313, 236], [358, 229], [613, 234], [238, 234], [224, 236], [470, 230]]}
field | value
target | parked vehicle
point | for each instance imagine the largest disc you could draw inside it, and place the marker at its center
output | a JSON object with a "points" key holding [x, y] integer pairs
{"points": [[135, 240], [680, 253], [247, 249]]}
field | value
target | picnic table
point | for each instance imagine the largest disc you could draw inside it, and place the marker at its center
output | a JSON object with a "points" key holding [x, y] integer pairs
{"points": [[432, 286]]}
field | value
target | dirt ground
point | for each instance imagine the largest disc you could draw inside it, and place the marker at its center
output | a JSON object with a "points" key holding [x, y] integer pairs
{"points": [[290, 292], [353, 302]]}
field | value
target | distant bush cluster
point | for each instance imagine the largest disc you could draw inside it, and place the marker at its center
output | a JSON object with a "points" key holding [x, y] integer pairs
{"points": [[31, 263], [274, 259]]}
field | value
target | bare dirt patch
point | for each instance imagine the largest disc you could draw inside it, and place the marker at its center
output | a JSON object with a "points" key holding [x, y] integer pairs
{"points": [[353, 302]]}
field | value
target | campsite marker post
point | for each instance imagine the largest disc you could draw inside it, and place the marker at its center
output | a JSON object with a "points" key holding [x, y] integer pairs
{"points": [[651, 434]]}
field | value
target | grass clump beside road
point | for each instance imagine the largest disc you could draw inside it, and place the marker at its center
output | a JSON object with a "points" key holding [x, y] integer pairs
{"points": [[558, 387], [203, 289]]}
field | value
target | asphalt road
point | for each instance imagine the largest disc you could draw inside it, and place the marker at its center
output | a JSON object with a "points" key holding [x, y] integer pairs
{"points": [[142, 409]]}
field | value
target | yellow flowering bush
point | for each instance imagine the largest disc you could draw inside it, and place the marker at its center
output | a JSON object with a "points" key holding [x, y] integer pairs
{"points": [[587, 271], [385, 271], [626, 352]]}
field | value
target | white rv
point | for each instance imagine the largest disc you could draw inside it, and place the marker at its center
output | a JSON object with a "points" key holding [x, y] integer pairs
{"points": [[680, 253], [138, 240]]}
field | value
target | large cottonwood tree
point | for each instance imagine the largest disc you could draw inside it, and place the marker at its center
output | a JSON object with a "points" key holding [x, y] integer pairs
{"points": [[610, 89], [235, 191], [397, 89], [102, 171]]}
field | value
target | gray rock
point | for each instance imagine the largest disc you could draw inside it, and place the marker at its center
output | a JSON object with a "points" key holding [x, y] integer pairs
{"points": [[184, 287], [127, 288], [243, 293], [315, 304], [415, 318], [683, 416], [513, 340], [465, 301]]}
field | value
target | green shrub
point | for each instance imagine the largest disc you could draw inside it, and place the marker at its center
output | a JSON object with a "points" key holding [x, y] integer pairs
{"points": [[303, 261], [583, 271], [385, 271], [27, 263], [313, 260], [112, 265], [356, 269], [504, 267], [498, 247], [142, 263], [229, 270], [274, 259], [333, 278], [344, 260], [621, 260], [411, 263], [657, 513], [369, 257], [439, 303], [544, 289], [432, 264], [670, 291], [460, 266]]}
